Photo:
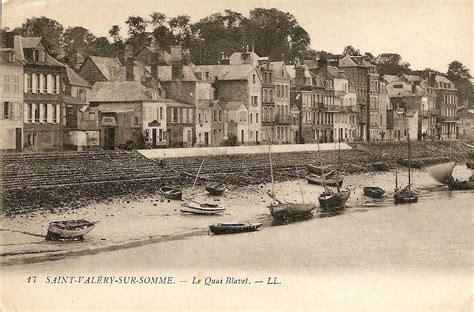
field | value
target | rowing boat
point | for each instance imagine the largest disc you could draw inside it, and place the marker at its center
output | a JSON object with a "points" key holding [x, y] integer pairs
{"points": [[233, 228], [69, 229]]}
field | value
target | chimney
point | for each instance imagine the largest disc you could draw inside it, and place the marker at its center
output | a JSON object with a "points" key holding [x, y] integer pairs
{"points": [[224, 59], [323, 64], [176, 54], [431, 79], [18, 47], [300, 78], [128, 55], [186, 56], [176, 63]]}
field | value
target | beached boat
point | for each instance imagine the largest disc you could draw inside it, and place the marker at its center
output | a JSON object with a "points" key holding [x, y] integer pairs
{"points": [[405, 194], [201, 208], [287, 211], [319, 170], [457, 185], [233, 228], [335, 180], [171, 192], [69, 229], [442, 173], [373, 191], [331, 200], [215, 188]]}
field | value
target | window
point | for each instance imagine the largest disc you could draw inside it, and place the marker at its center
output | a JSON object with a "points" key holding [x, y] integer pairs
{"points": [[45, 83], [175, 115], [220, 116], [256, 117], [36, 55], [53, 84], [251, 118], [31, 140], [16, 84], [7, 110], [30, 113], [253, 78], [271, 95], [55, 113], [282, 73], [161, 112], [6, 83], [254, 100], [136, 121], [37, 113]]}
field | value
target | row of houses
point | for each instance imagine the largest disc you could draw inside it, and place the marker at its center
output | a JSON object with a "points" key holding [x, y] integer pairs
{"points": [[155, 99]]}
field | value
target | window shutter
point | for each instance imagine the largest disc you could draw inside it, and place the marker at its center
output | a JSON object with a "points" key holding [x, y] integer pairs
{"points": [[41, 114], [58, 91], [49, 82], [25, 85], [58, 113], [25, 113], [41, 83], [49, 115]]}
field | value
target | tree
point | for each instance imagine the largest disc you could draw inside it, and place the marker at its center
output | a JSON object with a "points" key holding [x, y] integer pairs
{"points": [[351, 50], [275, 34], [459, 75], [161, 33], [391, 64], [77, 39], [369, 57], [181, 29], [138, 36], [101, 47], [50, 30]]}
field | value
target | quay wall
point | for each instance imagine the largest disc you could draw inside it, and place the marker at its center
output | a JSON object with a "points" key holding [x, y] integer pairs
{"points": [[63, 180]]}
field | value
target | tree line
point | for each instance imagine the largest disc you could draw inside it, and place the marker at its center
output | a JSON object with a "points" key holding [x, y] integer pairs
{"points": [[268, 32]]}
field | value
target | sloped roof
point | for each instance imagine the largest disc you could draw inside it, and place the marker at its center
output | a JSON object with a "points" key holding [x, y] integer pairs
{"points": [[391, 78], [115, 107], [336, 72], [440, 78], [73, 101], [105, 65], [120, 91], [165, 73], [347, 61], [30, 42], [74, 78], [233, 106], [227, 72], [354, 60], [412, 78], [292, 72]]}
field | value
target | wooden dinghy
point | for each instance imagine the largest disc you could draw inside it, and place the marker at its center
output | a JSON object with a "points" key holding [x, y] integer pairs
{"points": [[405, 195], [373, 191], [319, 170], [171, 192], [69, 229], [201, 208], [233, 228], [216, 188], [334, 180], [331, 200]]}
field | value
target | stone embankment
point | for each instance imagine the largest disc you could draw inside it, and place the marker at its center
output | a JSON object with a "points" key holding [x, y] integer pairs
{"points": [[52, 181]]}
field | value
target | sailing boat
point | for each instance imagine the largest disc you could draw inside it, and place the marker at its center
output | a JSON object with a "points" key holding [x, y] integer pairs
{"points": [[332, 200], [286, 211], [443, 173], [405, 194], [195, 207]]}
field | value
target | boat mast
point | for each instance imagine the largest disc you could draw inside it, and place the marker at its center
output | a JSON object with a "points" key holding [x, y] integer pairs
{"points": [[409, 161], [195, 179], [396, 167], [299, 182], [321, 162], [271, 165]]}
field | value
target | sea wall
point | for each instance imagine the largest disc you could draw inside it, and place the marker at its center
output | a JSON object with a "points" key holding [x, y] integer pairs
{"points": [[50, 181]]}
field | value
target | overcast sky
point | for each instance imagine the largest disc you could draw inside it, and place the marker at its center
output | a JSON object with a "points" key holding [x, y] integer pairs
{"points": [[425, 33]]}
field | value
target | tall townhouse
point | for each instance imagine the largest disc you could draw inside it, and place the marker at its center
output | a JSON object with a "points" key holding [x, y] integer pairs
{"points": [[77, 134], [194, 85], [446, 104], [238, 88], [378, 103], [43, 95], [342, 108], [281, 100], [357, 70], [303, 102], [11, 101]]}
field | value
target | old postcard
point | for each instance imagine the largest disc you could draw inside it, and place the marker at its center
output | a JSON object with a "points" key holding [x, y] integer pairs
{"points": [[236, 155]]}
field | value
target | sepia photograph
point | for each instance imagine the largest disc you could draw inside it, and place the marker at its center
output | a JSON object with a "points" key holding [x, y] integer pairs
{"points": [[236, 155]]}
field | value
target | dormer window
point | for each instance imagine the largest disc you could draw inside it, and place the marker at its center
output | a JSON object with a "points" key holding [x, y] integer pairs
{"points": [[36, 55]]}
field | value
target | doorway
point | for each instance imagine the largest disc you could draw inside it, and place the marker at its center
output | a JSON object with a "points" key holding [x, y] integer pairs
{"points": [[18, 139], [109, 138], [206, 138], [153, 137]]}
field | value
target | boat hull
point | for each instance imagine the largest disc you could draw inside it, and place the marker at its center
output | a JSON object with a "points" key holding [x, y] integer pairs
{"points": [[461, 185], [318, 180], [201, 209], [319, 170], [334, 200], [69, 230], [374, 192], [291, 211], [405, 196], [171, 193], [225, 228], [215, 189]]}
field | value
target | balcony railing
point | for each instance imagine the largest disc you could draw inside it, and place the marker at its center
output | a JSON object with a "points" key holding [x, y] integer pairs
{"points": [[449, 118], [280, 119], [202, 103]]}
